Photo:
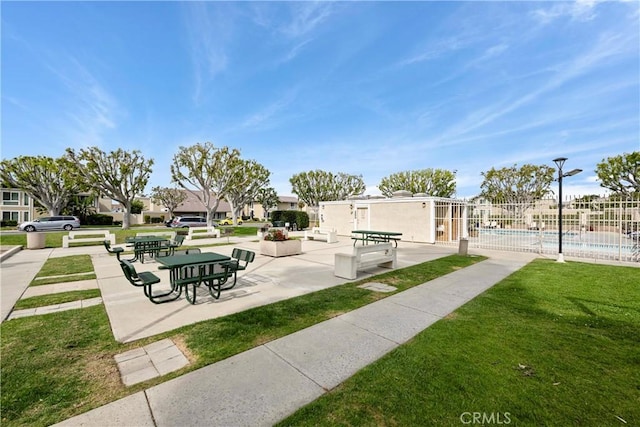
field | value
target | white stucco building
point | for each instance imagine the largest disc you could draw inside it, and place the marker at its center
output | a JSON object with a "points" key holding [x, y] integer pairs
{"points": [[419, 218]]}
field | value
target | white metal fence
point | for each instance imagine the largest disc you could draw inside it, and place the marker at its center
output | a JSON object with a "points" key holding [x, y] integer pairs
{"points": [[601, 228]]}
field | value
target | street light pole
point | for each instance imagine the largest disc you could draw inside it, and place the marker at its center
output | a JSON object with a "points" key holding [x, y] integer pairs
{"points": [[560, 163]]}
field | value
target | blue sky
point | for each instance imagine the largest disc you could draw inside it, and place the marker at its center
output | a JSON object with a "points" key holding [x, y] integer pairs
{"points": [[366, 88]]}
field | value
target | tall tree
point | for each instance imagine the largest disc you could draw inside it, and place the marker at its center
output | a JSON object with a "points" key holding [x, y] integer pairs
{"points": [[170, 198], [81, 206], [248, 178], [48, 181], [206, 172], [589, 201], [318, 186], [434, 182], [517, 187], [120, 175], [268, 199], [620, 174]]}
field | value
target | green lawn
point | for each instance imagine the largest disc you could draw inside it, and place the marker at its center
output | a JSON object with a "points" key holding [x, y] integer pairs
{"points": [[58, 365], [66, 269], [551, 345]]}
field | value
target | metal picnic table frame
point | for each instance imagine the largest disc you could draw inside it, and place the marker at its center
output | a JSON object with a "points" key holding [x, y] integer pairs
{"points": [[376, 236], [142, 245], [209, 268]]}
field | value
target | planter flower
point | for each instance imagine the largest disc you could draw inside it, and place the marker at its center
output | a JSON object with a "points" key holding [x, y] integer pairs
{"points": [[276, 236], [277, 244]]}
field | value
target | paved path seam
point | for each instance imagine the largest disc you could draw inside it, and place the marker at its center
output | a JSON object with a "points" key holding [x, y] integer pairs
{"points": [[56, 308]]}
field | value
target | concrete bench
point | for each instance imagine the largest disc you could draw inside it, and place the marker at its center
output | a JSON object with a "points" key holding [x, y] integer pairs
{"points": [[203, 232], [85, 236], [318, 233], [380, 255]]}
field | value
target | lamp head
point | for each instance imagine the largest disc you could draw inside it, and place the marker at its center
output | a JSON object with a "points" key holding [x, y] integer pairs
{"points": [[560, 162], [572, 172]]}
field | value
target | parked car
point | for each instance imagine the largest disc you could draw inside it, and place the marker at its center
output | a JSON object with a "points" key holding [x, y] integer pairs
{"points": [[189, 221], [51, 223], [229, 221]]}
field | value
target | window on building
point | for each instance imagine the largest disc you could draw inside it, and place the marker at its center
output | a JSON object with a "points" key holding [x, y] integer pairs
{"points": [[25, 216], [10, 198], [25, 199], [10, 216]]}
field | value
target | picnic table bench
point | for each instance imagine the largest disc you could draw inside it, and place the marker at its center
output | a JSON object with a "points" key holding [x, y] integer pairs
{"points": [[362, 257], [366, 236], [84, 236]]}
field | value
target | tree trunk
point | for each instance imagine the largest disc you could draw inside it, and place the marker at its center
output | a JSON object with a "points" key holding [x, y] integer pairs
{"points": [[125, 216], [210, 214]]}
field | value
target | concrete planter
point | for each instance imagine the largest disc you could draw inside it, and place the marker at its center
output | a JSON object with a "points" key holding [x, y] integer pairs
{"points": [[283, 248], [35, 240]]}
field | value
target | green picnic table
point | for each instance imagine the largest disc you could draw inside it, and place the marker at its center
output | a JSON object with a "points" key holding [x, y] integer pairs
{"points": [[150, 245], [209, 268], [366, 236]]}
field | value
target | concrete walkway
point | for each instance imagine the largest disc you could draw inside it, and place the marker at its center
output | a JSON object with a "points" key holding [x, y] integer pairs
{"points": [[16, 273], [267, 383]]}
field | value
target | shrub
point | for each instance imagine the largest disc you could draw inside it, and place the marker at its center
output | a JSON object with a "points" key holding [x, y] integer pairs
{"points": [[9, 223], [100, 219], [137, 206], [299, 218]]}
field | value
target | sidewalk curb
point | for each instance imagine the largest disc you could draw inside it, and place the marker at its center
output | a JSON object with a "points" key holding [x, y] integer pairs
{"points": [[10, 252]]}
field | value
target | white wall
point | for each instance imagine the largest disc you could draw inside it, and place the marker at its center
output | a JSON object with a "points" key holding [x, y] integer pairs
{"points": [[411, 216]]}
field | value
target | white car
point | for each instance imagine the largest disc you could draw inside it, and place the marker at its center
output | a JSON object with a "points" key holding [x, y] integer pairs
{"points": [[51, 223]]}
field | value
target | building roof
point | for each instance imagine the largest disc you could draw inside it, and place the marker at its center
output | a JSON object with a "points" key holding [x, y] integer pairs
{"points": [[192, 204], [288, 199]]}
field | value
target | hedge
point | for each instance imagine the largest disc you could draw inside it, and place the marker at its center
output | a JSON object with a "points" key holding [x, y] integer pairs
{"points": [[300, 218], [99, 219]]}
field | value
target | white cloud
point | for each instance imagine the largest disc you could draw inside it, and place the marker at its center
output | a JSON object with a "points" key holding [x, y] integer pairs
{"points": [[208, 34], [579, 10], [268, 113], [91, 108], [306, 16], [436, 50]]}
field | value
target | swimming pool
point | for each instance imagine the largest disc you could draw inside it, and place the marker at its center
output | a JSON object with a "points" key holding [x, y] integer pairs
{"points": [[587, 244]]}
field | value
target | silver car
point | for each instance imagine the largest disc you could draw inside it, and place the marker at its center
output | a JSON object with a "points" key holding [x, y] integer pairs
{"points": [[51, 223], [189, 221]]}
